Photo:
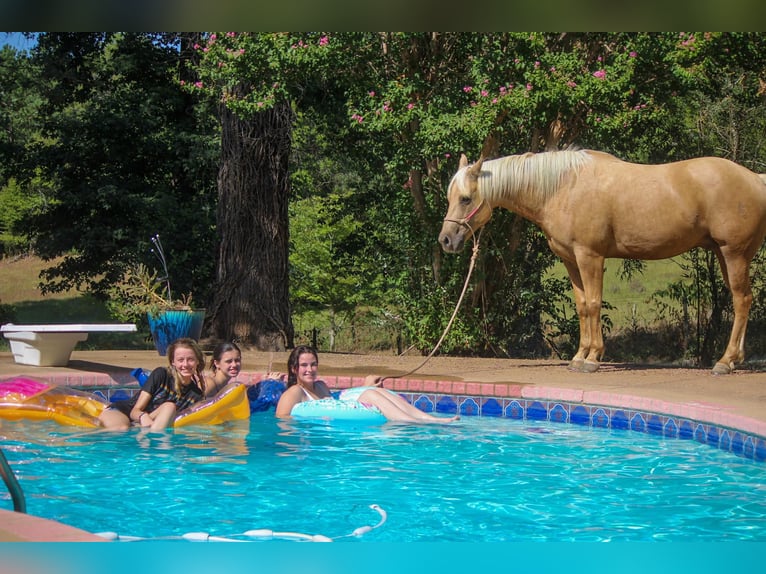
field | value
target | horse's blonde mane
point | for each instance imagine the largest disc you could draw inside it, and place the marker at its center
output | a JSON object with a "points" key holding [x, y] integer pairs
{"points": [[533, 177]]}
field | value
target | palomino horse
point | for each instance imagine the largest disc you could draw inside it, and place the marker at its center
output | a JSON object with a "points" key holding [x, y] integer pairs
{"points": [[593, 206]]}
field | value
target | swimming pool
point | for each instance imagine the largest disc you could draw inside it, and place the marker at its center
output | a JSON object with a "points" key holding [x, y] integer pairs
{"points": [[482, 479]]}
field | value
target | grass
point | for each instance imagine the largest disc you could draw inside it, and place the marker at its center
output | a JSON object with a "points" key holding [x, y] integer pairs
{"points": [[19, 289], [630, 298]]}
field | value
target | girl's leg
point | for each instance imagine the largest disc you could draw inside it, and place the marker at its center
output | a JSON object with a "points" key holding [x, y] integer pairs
{"points": [[395, 408], [163, 416], [112, 419]]}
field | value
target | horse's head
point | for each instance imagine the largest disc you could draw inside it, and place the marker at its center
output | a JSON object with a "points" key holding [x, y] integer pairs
{"points": [[467, 211]]}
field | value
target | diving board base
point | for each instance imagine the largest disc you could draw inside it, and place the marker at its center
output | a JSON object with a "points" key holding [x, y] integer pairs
{"points": [[51, 345]]}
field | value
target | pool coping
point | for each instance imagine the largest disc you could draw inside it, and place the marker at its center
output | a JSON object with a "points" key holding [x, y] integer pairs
{"points": [[701, 411]]}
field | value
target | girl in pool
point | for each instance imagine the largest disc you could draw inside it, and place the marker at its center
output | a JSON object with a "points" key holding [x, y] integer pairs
{"points": [[167, 391], [225, 366], [303, 385]]}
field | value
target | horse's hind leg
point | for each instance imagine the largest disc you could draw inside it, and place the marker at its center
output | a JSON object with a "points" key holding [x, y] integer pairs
{"points": [[736, 273]]}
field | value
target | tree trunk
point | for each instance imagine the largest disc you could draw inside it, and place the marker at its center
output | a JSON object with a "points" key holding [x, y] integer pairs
{"points": [[251, 303]]}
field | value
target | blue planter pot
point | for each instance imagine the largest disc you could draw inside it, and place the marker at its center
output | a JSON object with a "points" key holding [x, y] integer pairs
{"points": [[167, 326]]}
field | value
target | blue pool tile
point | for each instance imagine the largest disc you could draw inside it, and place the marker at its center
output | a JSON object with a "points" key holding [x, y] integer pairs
{"points": [[446, 404], [671, 429], [699, 434], [536, 411], [620, 420], [469, 407], [685, 430], [737, 443], [580, 415], [725, 442], [600, 419], [760, 450], [514, 410], [424, 404], [748, 449], [558, 413], [119, 395], [713, 438], [654, 425], [637, 423], [491, 408]]}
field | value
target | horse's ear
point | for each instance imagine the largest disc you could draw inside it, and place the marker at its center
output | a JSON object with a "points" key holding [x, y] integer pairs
{"points": [[475, 169], [463, 161]]}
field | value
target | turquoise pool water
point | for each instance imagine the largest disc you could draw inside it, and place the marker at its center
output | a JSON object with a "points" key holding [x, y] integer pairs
{"points": [[479, 480]]}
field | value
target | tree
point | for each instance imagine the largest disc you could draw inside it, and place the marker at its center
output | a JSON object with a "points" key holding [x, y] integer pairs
{"points": [[257, 81], [19, 126], [126, 156]]}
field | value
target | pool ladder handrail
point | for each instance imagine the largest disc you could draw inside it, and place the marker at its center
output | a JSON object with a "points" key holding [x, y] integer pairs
{"points": [[17, 495]]}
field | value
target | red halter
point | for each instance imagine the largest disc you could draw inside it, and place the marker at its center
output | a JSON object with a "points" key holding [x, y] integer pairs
{"points": [[468, 217]]}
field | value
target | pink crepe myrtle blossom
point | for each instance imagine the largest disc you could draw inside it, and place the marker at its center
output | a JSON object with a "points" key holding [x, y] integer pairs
{"points": [[571, 84], [467, 89], [484, 93], [601, 74], [357, 118], [371, 93], [529, 87], [324, 40], [410, 106], [632, 54]]}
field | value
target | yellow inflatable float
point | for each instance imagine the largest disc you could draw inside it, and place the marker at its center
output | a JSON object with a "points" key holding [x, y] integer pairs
{"points": [[23, 398]]}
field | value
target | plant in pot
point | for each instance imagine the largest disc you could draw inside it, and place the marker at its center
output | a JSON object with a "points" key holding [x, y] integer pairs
{"points": [[143, 296]]}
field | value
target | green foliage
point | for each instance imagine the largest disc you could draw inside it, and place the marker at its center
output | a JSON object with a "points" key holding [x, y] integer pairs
{"points": [[16, 205], [141, 292], [125, 154]]}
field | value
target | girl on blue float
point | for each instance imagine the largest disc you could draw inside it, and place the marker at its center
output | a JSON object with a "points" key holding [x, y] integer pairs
{"points": [[303, 385]]}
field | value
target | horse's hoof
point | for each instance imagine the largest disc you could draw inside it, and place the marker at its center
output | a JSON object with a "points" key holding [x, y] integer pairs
{"points": [[576, 365], [582, 366], [722, 369], [590, 367]]}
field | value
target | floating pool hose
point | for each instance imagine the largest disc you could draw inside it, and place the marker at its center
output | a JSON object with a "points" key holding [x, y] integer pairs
{"points": [[256, 534]]}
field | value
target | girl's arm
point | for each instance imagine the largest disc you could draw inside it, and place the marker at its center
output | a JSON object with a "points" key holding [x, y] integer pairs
{"points": [[139, 409], [288, 400]]}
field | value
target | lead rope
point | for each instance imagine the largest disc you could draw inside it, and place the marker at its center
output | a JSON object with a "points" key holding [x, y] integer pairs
{"points": [[476, 241]]}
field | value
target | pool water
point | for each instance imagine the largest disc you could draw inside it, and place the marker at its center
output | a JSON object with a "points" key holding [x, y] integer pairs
{"points": [[478, 480]]}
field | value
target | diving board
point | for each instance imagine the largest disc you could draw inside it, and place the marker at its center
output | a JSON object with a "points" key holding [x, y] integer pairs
{"points": [[52, 345]]}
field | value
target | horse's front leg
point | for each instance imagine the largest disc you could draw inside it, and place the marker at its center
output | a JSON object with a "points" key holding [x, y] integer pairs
{"points": [[590, 270], [578, 361]]}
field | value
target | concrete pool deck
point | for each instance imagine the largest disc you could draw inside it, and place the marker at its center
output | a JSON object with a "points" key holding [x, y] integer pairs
{"points": [[737, 401]]}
